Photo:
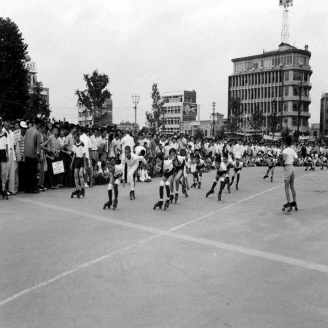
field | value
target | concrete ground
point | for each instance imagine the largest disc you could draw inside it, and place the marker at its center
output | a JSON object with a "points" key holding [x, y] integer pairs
{"points": [[241, 262]]}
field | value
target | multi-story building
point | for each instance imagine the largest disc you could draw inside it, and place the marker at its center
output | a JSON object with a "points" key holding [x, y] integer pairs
{"points": [[273, 81], [101, 118], [324, 115], [179, 106], [32, 78], [124, 125], [206, 126]]}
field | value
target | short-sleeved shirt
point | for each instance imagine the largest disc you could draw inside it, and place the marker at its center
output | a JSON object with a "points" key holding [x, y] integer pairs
{"points": [[79, 149], [87, 144], [3, 140], [32, 141], [112, 145], [290, 155]]}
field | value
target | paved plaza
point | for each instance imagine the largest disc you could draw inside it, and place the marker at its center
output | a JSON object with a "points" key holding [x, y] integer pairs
{"points": [[239, 263]]}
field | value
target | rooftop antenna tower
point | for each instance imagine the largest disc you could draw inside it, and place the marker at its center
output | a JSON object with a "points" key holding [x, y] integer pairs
{"points": [[285, 24]]}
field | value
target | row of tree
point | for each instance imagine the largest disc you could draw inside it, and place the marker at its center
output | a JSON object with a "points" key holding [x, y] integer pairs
{"points": [[18, 99]]}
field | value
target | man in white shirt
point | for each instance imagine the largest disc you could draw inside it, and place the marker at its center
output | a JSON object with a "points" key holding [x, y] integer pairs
{"points": [[127, 140], [94, 145], [87, 147], [239, 150], [289, 174]]}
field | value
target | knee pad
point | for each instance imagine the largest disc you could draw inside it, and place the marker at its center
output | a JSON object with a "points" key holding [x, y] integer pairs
{"points": [[168, 183], [162, 184], [117, 183], [110, 186]]}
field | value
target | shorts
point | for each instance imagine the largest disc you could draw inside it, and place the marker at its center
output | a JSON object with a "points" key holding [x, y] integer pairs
{"points": [[3, 157], [271, 167], [289, 172], [199, 167], [95, 155], [168, 174], [79, 162]]}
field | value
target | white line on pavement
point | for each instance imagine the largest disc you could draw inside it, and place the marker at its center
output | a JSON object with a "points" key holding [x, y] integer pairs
{"points": [[171, 233]]}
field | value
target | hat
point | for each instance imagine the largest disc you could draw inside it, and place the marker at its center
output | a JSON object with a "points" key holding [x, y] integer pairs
{"points": [[23, 125]]}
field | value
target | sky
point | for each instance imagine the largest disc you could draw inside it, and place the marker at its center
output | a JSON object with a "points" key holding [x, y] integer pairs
{"points": [[178, 44]]}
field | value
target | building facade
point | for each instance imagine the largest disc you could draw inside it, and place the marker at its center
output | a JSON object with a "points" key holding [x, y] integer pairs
{"points": [[102, 117], [277, 80], [324, 115], [206, 126], [179, 106]]}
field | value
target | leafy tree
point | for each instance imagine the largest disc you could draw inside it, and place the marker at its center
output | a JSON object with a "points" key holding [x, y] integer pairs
{"points": [[273, 121], [256, 123], [221, 132], [235, 115], [37, 104], [14, 90], [154, 118], [285, 132], [95, 95], [199, 134]]}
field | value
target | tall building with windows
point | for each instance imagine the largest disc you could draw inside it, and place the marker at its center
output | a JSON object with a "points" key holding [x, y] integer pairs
{"points": [[324, 115], [179, 106], [274, 81]]}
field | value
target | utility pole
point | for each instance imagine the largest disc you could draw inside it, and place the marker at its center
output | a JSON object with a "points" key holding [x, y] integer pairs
{"points": [[282, 93], [300, 88], [135, 100], [213, 104]]}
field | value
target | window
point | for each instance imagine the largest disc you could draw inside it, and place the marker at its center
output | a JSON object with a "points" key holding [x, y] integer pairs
{"points": [[287, 76], [306, 107], [285, 107], [305, 122], [294, 123], [295, 106], [297, 76], [286, 91], [295, 91], [289, 59]]}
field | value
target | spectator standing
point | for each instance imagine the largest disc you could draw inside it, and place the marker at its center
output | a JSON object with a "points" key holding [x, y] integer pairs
{"points": [[87, 147], [20, 172]]}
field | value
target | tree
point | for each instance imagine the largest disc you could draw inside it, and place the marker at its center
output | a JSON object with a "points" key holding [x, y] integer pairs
{"points": [[285, 132], [155, 118], [37, 105], [256, 123], [221, 131], [14, 90], [235, 114], [273, 121], [95, 95], [199, 134]]}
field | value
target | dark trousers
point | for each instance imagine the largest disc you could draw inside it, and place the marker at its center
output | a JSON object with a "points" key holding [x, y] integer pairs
{"points": [[69, 173], [31, 166], [22, 176]]}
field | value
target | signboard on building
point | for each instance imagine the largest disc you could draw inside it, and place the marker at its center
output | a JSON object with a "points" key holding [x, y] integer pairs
{"points": [[195, 123], [189, 112]]}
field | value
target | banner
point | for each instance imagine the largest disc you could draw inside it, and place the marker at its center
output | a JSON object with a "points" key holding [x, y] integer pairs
{"points": [[189, 112], [58, 167]]}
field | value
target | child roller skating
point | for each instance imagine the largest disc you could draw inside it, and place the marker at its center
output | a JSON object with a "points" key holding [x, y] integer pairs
{"points": [[167, 179], [200, 167], [289, 156], [116, 173], [272, 161], [78, 160], [237, 166], [220, 176]]}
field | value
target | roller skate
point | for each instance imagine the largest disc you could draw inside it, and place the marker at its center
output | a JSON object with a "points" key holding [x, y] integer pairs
{"points": [[287, 206], [271, 179], [321, 169], [236, 186], [185, 192], [74, 193], [167, 204], [81, 193], [219, 197], [108, 204], [306, 169], [115, 203], [132, 196], [266, 176], [5, 195], [159, 205], [293, 204], [199, 184], [171, 198], [193, 185], [176, 197], [209, 193], [229, 189]]}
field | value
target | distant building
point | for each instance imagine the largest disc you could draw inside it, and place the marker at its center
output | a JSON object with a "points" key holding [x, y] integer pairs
{"points": [[32, 79], [324, 115], [103, 117], [315, 130], [206, 126], [179, 106], [132, 126], [271, 82]]}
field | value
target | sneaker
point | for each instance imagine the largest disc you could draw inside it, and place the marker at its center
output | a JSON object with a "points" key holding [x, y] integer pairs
{"points": [[86, 185]]}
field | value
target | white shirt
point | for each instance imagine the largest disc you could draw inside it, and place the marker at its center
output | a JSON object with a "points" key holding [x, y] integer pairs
{"points": [[3, 140], [11, 139], [94, 142], [87, 144], [112, 145], [290, 155], [138, 150], [127, 141], [238, 150]]}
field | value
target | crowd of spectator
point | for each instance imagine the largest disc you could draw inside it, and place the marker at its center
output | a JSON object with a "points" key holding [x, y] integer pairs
{"points": [[29, 149]]}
